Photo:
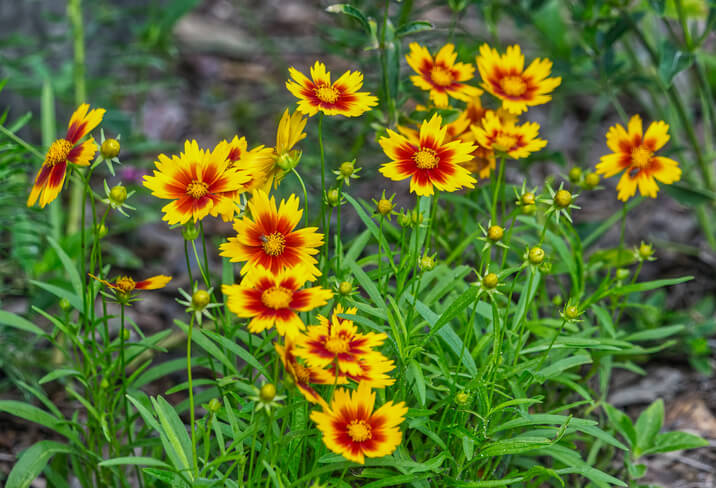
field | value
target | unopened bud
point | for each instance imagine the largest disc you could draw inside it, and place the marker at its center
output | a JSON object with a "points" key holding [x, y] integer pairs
{"points": [[118, 194], [591, 180], [345, 288], [575, 174], [385, 206], [490, 281], [200, 299], [495, 233], [528, 198], [347, 169], [622, 274], [65, 305], [528, 209], [536, 255], [462, 398], [267, 392], [645, 250], [190, 231], [110, 148], [562, 199], [571, 312], [427, 263], [214, 405], [333, 197]]}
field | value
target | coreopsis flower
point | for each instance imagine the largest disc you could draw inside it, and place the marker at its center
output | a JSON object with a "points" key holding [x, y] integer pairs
{"points": [[273, 166], [198, 182], [248, 161], [441, 76], [337, 341], [303, 376], [51, 177], [374, 369], [634, 154], [272, 299], [268, 238], [508, 138], [428, 161], [124, 286], [339, 98], [505, 77], [352, 429]]}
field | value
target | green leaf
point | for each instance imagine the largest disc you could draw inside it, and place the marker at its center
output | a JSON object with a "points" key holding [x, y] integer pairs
{"points": [[69, 266], [239, 351], [690, 195], [12, 320], [654, 334], [513, 446], [32, 461], [34, 414], [415, 375], [74, 299], [675, 441], [672, 61], [413, 28], [174, 435], [134, 461], [622, 422], [658, 6], [648, 285], [648, 426], [350, 10], [59, 373], [453, 310], [199, 338]]}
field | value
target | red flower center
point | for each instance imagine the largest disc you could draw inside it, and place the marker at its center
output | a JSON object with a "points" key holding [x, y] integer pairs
{"points": [[513, 86], [426, 158], [197, 189], [274, 244], [441, 76], [58, 152], [641, 157], [359, 430], [277, 297], [326, 93]]}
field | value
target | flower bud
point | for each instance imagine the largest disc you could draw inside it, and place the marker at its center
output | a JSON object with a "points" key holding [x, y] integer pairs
{"points": [[333, 197], [65, 304], [416, 217], [288, 160], [591, 180], [104, 384], [200, 299], [190, 231], [345, 288], [528, 198], [214, 405], [110, 148], [645, 250], [462, 398], [495, 233], [427, 263], [385, 206], [102, 231], [536, 255], [347, 169], [571, 312], [562, 199], [404, 220], [267, 392], [118, 194], [622, 274], [490, 281], [557, 300], [575, 174], [126, 334]]}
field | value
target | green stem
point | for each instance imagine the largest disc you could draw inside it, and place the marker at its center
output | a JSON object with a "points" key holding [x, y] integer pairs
{"points": [[305, 194], [498, 183], [621, 231], [324, 224], [127, 423], [554, 338]]}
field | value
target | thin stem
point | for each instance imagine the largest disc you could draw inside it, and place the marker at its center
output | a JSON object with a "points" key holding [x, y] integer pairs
{"points": [[74, 12], [305, 194], [498, 183], [621, 231], [188, 262], [323, 177], [122, 329]]}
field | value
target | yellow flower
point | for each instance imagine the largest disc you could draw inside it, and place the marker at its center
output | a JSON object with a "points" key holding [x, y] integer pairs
{"points": [[124, 286], [441, 76], [634, 154], [351, 428], [517, 141], [504, 76], [269, 240], [339, 98], [273, 299], [198, 182], [51, 177], [248, 161], [337, 341], [427, 159]]}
